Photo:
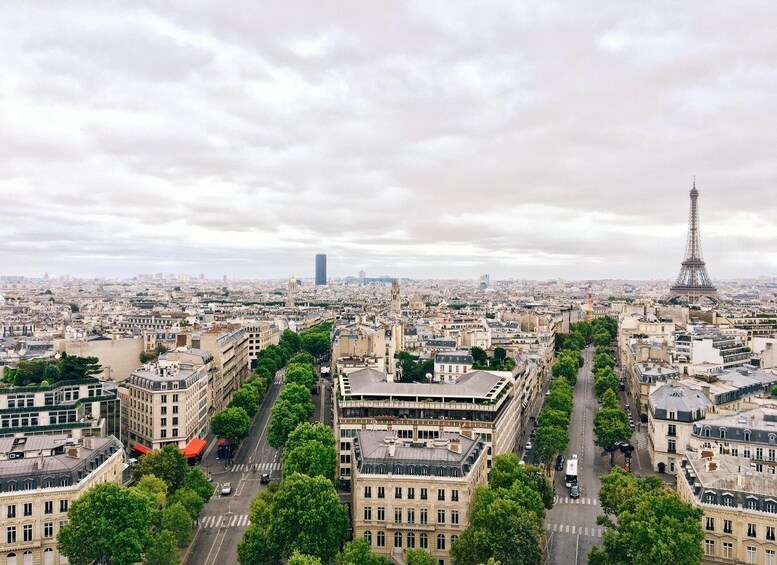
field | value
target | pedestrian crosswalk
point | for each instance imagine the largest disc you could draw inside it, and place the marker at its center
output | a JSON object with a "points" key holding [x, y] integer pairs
{"points": [[262, 467], [570, 500], [226, 520], [590, 531]]}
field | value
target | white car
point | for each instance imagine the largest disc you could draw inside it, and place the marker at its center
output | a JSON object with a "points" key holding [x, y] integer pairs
{"points": [[528, 446], [226, 489]]}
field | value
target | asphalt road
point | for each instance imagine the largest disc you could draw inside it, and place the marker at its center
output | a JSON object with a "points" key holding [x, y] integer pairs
{"points": [[225, 518], [571, 524]]}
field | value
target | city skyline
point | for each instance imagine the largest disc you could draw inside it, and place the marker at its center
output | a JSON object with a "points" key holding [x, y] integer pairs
{"points": [[530, 141]]}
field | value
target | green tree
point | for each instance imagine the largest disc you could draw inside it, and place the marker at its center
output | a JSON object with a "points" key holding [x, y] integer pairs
{"points": [[292, 339], [303, 375], [418, 556], [618, 488], [507, 471], [307, 516], [603, 361], [500, 354], [313, 459], [247, 398], [190, 500], [35, 371], [109, 522], [479, 356], [298, 394], [549, 442], [154, 489], [359, 552], [316, 345], [601, 338], [177, 520], [302, 359], [773, 390], [551, 417], [306, 432], [73, 367], [256, 547], [298, 558], [560, 401], [231, 423], [163, 550], [168, 464], [574, 341], [654, 527], [611, 426], [609, 399], [286, 416], [565, 367], [197, 481], [604, 383]]}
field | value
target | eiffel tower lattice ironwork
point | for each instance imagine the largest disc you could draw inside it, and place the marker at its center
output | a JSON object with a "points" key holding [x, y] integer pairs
{"points": [[693, 282]]}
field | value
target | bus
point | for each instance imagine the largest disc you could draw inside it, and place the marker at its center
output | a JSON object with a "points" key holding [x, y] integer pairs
{"points": [[571, 476]]}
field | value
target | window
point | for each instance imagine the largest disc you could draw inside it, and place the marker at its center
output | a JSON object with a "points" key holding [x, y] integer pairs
{"points": [[453, 539], [723, 433], [367, 492], [747, 435], [728, 501], [397, 515], [423, 541], [10, 534], [175, 432], [381, 539], [28, 508], [175, 420], [410, 540], [771, 506], [672, 446], [441, 516], [750, 554], [770, 558], [710, 527], [440, 542], [770, 533], [63, 505], [672, 430], [397, 539], [455, 495], [728, 550], [397, 492], [48, 507], [48, 530], [27, 530], [368, 512], [454, 517], [411, 493], [381, 514], [11, 511], [709, 547], [423, 494], [381, 492], [440, 494], [759, 453], [411, 516], [727, 526], [424, 516], [751, 531], [163, 422], [175, 398], [752, 504], [368, 537]]}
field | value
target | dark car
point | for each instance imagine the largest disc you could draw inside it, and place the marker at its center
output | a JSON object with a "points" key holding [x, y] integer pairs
{"points": [[560, 463], [265, 480], [574, 491], [533, 433]]}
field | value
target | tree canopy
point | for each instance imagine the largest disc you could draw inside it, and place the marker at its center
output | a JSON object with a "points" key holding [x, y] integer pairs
{"points": [[359, 552], [418, 556], [168, 464], [611, 427], [231, 423]]}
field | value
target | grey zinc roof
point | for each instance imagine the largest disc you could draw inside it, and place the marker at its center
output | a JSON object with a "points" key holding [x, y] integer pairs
{"points": [[369, 382], [453, 357], [62, 463], [375, 450], [680, 398]]}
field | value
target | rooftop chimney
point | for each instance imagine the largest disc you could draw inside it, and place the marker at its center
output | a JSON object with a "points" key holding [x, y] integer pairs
{"points": [[392, 448], [454, 445]]}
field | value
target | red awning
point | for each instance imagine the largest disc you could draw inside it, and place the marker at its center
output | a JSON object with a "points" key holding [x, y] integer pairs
{"points": [[194, 448], [141, 448]]}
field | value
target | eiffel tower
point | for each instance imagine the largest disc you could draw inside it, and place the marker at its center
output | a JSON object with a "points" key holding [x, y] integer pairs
{"points": [[693, 282]]}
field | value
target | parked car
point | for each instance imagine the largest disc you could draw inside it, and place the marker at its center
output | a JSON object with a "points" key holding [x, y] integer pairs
{"points": [[533, 432], [560, 463], [265, 480], [574, 491], [226, 489], [528, 446]]}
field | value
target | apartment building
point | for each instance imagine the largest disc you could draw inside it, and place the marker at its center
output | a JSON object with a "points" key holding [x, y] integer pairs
{"points": [[450, 365], [740, 509], [479, 402], [409, 494], [228, 343], [261, 335], [76, 408], [40, 476], [673, 410], [709, 348], [168, 403], [644, 377]]}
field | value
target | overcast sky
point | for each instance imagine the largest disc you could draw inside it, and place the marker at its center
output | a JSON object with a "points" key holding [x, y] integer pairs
{"points": [[425, 139]]}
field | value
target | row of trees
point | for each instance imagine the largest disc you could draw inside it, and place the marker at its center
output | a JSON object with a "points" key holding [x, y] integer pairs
{"points": [[149, 521], [498, 362], [505, 521], [611, 425], [294, 405], [49, 371], [652, 524]]}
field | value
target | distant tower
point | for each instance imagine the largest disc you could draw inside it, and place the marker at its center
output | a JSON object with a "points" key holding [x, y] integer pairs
{"points": [[291, 291], [396, 305], [320, 269], [693, 282]]}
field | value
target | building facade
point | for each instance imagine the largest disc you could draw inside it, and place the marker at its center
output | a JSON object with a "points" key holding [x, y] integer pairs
{"points": [[450, 365], [409, 494], [320, 269]]}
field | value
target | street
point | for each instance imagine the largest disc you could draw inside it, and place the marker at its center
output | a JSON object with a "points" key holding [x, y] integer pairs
{"points": [[571, 524]]}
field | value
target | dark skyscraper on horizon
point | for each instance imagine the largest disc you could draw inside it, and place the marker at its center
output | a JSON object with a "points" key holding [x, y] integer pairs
{"points": [[320, 269]]}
